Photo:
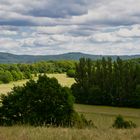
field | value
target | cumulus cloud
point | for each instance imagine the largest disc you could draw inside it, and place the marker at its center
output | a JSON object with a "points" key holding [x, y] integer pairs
{"points": [[67, 12], [58, 26], [134, 31]]}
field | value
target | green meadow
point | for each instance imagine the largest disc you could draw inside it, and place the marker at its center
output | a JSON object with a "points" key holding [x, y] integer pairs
{"points": [[62, 78]]}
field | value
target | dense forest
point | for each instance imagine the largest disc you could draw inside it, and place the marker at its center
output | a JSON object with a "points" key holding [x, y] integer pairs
{"points": [[107, 82]]}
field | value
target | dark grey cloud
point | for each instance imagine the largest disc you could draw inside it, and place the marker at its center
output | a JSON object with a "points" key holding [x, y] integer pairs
{"points": [[17, 22], [69, 12], [59, 9]]}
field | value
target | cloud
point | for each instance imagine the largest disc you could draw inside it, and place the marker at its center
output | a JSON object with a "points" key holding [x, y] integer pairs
{"points": [[8, 33], [58, 9], [69, 12], [133, 32], [58, 26]]}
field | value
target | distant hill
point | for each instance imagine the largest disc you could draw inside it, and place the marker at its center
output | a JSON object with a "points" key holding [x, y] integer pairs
{"points": [[12, 58]]}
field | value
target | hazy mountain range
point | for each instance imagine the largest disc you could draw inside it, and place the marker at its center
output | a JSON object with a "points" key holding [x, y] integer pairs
{"points": [[12, 58]]}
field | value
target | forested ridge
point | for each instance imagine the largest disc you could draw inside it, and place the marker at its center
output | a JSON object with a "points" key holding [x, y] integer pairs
{"points": [[13, 58]]}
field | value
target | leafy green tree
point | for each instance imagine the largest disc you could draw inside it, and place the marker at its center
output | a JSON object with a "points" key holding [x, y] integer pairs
{"points": [[71, 73], [6, 76], [107, 83], [27, 75], [41, 102], [15, 75]]}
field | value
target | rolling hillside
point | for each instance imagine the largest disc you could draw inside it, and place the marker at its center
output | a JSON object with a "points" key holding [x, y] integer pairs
{"points": [[12, 58]]}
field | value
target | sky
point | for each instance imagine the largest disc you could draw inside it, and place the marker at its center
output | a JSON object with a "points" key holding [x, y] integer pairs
{"points": [[44, 27]]}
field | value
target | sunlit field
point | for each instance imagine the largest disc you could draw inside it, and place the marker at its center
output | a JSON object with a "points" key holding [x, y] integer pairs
{"points": [[62, 78]]}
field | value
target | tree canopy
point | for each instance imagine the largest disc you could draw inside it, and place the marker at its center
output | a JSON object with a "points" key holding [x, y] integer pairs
{"points": [[38, 102], [107, 82]]}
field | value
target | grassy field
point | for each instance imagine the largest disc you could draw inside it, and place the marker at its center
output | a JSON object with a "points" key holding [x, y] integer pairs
{"points": [[102, 117], [62, 78], [42, 133]]}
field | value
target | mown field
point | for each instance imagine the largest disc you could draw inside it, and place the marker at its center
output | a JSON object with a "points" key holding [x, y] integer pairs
{"points": [[62, 78], [102, 116]]}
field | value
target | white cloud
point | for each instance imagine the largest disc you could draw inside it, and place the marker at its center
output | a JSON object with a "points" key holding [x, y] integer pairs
{"points": [[9, 44], [57, 26], [8, 33], [126, 32]]}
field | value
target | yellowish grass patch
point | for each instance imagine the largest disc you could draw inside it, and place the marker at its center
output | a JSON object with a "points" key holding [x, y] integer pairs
{"points": [[43, 133], [62, 79]]}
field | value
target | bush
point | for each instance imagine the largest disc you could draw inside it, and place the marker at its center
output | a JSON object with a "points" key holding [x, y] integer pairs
{"points": [[121, 123], [15, 75], [79, 121], [71, 73], [6, 76], [41, 102], [27, 75]]}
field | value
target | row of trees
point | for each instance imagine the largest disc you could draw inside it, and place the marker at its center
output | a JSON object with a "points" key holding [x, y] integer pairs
{"points": [[107, 82], [7, 76], [14, 72], [41, 67]]}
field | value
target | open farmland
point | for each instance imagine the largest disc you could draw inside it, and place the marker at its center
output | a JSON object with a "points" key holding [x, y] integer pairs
{"points": [[62, 78]]}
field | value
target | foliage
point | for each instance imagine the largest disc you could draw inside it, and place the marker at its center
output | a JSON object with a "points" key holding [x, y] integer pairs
{"points": [[17, 75], [121, 123], [71, 73], [25, 71], [41, 102], [107, 82], [5, 76]]}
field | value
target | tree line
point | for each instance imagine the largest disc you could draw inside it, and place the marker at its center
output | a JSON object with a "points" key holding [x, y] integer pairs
{"points": [[107, 82], [14, 72]]}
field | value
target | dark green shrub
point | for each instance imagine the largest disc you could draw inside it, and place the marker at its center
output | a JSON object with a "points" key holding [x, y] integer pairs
{"points": [[6, 76], [121, 123], [41, 102], [27, 75], [38, 103], [71, 73], [16, 75], [79, 121]]}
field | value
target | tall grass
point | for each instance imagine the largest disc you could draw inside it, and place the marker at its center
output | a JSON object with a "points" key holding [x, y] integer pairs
{"points": [[103, 116], [42, 133]]}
